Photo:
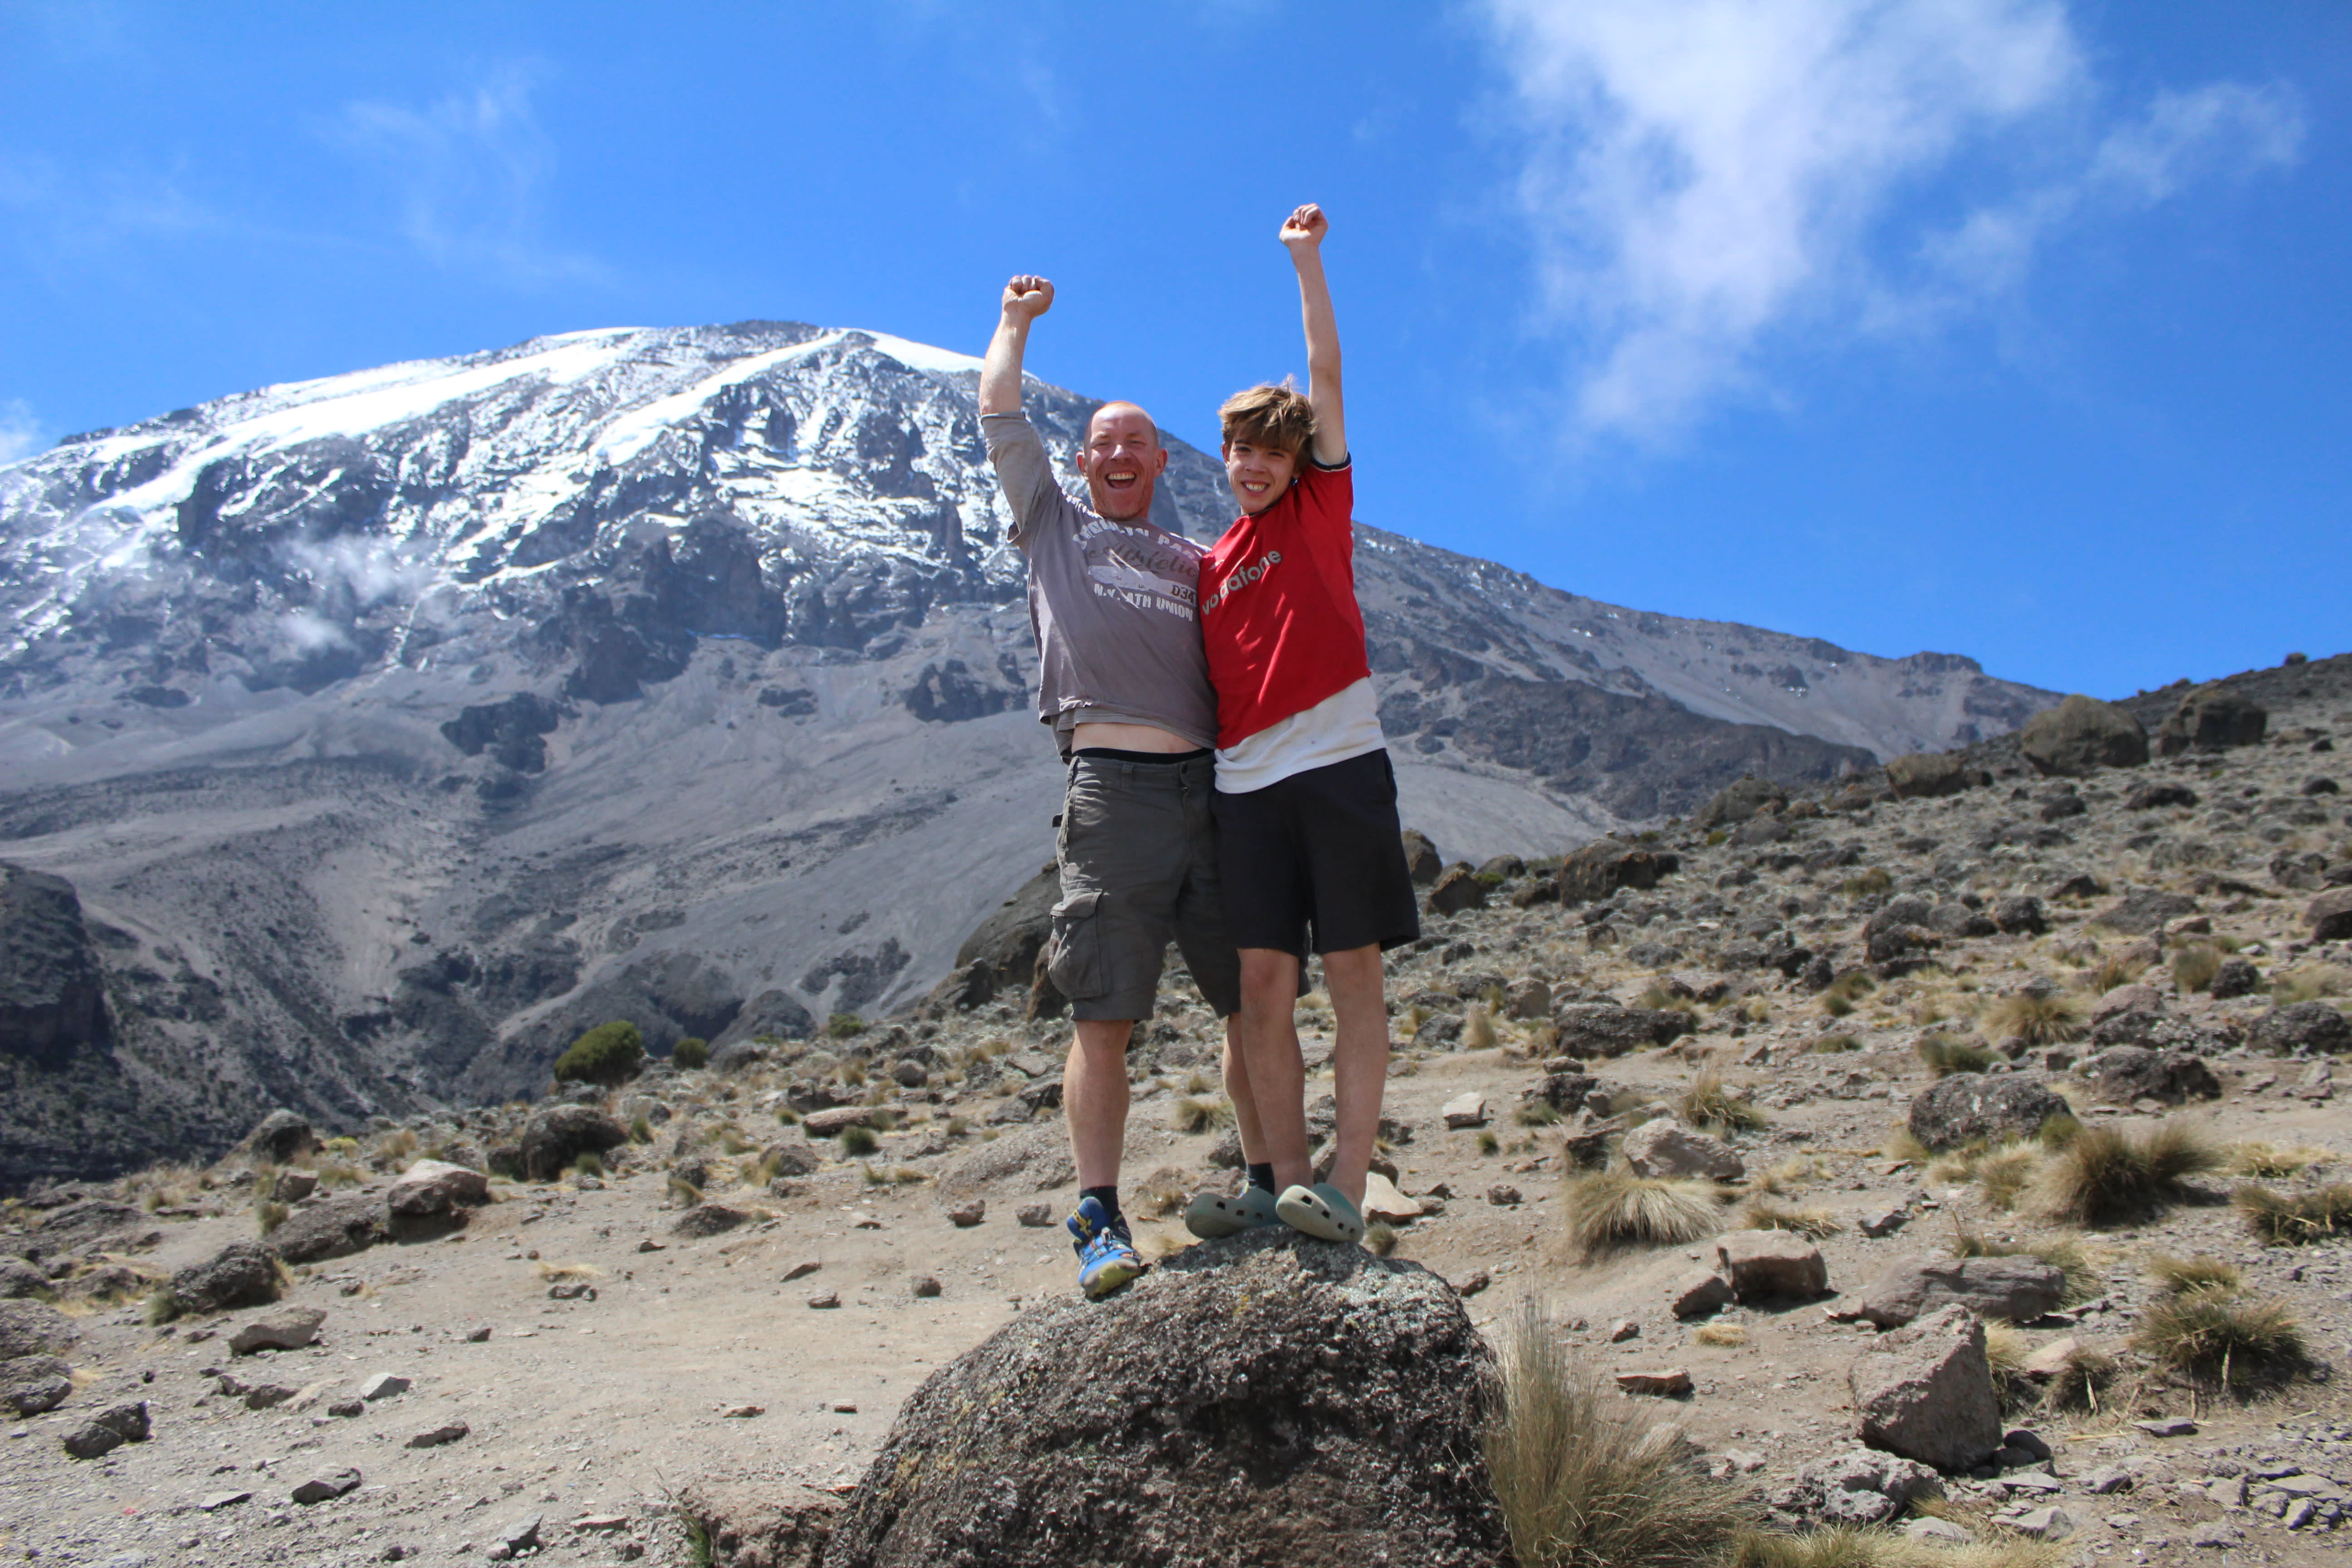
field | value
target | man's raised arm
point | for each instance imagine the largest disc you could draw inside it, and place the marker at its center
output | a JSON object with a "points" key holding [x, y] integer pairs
{"points": [[1302, 233], [1025, 300]]}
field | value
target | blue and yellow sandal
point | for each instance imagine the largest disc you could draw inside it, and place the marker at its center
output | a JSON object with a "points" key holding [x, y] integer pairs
{"points": [[1212, 1214], [1106, 1256], [1321, 1211]]}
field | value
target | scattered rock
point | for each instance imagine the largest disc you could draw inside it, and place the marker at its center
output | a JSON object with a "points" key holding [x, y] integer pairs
{"points": [[2331, 916], [1765, 1264], [431, 1196], [769, 1524], [326, 1485], [1606, 865], [2049, 1523], [1458, 888], [2212, 719], [108, 1430], [2017, 1290], [242, 1274], [2169, 1426], [966, 1214], [282, 1136], [2081, 735], [2144, 909], [34, 1328], [1664, 1148], [1921, 775], [1189, 1387], [293, 1187], [1858, 1487], [1502, 1194], [30, 1385], [926, 1286], [1466, 1110], [1667, 1383], [1880, 1223], [802, 1270], [439, 1436], [2312, 1029], [383, 1386], [559, 1134], [1623, 1329], [1926, 1392], [1968, 1108], [826, 1300], [336, 1228], [1700, 1293], [285, 1328], [708, 1219], [2125, 1074], [1598, 1029]]}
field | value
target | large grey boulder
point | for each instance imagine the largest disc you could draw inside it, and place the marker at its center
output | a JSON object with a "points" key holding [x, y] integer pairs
{"points": [[1598, 1029], [242, 1274], [1664, 1148], [433, 1196], [2144, 909], [2330, 915], [2212, 719], [335, 1228], [282, 1136], [1260, 1399], [1858, 1487], [1926, 1392], [2305, 1028], [19, 1279], [2082, 734], [34, 1328], [1770, 1265], [2128, 1073], [560, 1134], [1606, 865], [1968, 1106], [30, 1385], [2016, 1290], [52, 994], [1920, 775], [1739, 800]]}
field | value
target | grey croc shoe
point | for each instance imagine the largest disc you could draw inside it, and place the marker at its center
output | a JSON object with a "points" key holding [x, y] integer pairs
{"points": [[1212, 1215], [1321, 1211]]}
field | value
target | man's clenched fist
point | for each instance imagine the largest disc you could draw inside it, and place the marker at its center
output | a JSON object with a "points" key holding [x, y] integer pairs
{"points": [[1028, 297]]}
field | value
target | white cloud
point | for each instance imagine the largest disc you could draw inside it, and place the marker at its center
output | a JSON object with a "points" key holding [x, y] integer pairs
{"points": [[20, 433], [370, 570], [1698, 173], [307, 632], [471, 168]]}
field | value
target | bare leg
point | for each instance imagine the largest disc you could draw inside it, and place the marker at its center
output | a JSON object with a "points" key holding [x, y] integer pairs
{"points": [[1237, 1089], [1269, 1042], [1359, 1060], [1094, 1099]]}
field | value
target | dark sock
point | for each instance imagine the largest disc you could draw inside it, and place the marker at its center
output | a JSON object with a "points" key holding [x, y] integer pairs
{"points": [[1109, 1198], [1261, 1177]]}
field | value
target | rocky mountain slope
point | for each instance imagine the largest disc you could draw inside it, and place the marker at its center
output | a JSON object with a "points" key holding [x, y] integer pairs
{"points": [[392, 727], [1872, 1036]]}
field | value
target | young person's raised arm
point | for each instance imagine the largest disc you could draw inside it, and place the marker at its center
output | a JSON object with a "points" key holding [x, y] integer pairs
{"points": [[1026, 298], [1303, 233]]}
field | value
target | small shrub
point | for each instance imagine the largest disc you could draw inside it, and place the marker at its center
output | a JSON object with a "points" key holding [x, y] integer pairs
{"points": [[1945, 1054], [1199, 1083], [1722, 1336], [1709, 1103], [2041, 1020], [2227, 1342], [2104, 1177], [2081, 1379], [859, 1142], [1380, 1240], [2005, 1173], [1835, 1006], [852, 1073], [2291, 1220], [2310, 982], [1198, 1116], [587, 1162], [1833, 1044], [2109, 973], [2268, 1160], [2058, 1131], [685, 1193], [640, 1131], [693, 1051], [1613, 1210], [270, 1214], [1535, 1113], [1487, 1142], [2180, 1274], [1872, 881], [610, 1054], [1586, 1479], [1479, 1030], [958, 1125], [2194, 968], [733, 1142], [844, 1025], [884, 1120], [1813, 1224], [551, 1271], [1901, 1145], [1716, 837], [891, 1175]]}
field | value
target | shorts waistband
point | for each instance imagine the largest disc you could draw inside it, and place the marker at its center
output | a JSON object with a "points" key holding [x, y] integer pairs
{"points": [[1141, 759]]}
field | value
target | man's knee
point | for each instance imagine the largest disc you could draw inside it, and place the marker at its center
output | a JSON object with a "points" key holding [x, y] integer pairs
{"points": [[1105, 1037]]}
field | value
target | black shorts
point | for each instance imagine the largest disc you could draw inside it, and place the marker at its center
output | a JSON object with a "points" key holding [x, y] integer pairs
{"points": [[1319, 850]]}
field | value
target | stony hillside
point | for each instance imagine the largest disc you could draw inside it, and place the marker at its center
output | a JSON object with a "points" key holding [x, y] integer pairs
{"points": [[393, 727], [1993, 1191]]}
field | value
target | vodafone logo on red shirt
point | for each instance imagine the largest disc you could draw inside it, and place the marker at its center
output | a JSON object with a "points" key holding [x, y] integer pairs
{"points": [[1241, 578]]}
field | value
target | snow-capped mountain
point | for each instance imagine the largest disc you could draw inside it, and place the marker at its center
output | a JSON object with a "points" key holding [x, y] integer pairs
{"points": [[395, 724]]}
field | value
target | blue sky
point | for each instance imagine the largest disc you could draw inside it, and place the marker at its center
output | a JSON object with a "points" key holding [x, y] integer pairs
{"points": [[2020, 328]]}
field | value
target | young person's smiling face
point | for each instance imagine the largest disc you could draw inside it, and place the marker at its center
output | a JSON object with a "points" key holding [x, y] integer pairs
{"points": [[1260, 476], [1121, 461]]}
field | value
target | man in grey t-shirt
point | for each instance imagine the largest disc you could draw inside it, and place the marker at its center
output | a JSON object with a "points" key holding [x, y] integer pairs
{"points": [[1114, 601]]}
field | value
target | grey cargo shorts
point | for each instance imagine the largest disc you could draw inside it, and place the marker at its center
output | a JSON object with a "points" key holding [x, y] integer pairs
{"points": [[1138, 851]]}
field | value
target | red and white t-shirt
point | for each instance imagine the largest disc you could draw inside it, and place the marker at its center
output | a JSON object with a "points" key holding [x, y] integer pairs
{"points": [[1285, 635]]}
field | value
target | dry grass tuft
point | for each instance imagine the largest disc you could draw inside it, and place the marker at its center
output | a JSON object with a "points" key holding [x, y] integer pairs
{"points": [[1710, 1104], [1787, 1177], [1945, 1054], [1722, 1336], [2180, 1274], [2005, 1173], [1846, 1546], [2269, 1161], [2310, 982], [1901, 1145], [2293, 1219], [2233, 1343], [2081, 1382], [553, 1272], [2041, 1020], [1586, 1479], [1613, 1210], [2193, 967], [1380, 1240], [1833, 1044], [1764, 1214], [1479, 1029], [2109, 973], [2104, 1177], [1196, 1116]]}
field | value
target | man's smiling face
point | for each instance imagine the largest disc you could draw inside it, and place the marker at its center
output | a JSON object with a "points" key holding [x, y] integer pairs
{"points": [[1122, 460]]}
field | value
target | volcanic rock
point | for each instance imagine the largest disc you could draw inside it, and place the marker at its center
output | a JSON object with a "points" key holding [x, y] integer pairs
{"points": [[242, 1274], [336, 1228], [1926, 1392], [2017, 1290], [1967, 1108], [2082, 734], [1663, 1148], [560, 1134]]}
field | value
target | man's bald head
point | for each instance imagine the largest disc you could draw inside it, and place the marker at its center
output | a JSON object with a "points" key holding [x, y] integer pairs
{"points": [[1122, 460]]}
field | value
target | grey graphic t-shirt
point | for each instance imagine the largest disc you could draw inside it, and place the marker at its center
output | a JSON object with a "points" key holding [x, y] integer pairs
{"points": [[1115, 606]]}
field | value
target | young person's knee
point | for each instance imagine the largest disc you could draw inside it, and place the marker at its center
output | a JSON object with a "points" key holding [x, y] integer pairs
{"points": [[1105, 1037], [1269, 978]]}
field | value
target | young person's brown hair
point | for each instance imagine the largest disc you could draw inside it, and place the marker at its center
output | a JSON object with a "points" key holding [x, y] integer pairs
{"points": [[1278, 418]]}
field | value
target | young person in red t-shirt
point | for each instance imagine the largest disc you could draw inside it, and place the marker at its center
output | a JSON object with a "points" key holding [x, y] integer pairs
{"points": [[1309, 846]]}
